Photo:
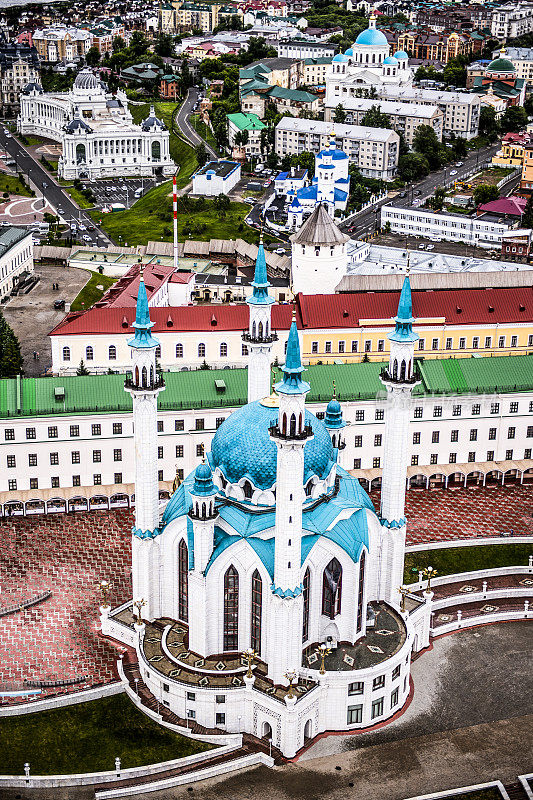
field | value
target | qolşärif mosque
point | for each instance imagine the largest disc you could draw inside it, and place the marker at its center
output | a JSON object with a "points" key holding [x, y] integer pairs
{"points": [[271, 546]]}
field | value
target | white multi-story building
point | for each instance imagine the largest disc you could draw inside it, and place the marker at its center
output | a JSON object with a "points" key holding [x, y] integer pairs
{"points": [[76, 442], [16, 257], [96, 131], [451, 227], [512, 20], [461, 109], [216, 177], [405, 118], [374, 151]]}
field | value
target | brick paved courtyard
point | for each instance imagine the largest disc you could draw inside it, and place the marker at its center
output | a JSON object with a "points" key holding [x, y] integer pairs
{"points": [[70, 554]]}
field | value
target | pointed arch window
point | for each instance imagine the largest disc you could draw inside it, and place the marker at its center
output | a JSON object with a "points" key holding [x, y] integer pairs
{"points": [[248, 490], [257, 605], [332, 589], [183, 581], [231, 609], [361, 592], [306, 596]]}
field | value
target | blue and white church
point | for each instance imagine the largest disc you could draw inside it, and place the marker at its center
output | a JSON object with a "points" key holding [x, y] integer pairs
{"points": [[269, 585]]}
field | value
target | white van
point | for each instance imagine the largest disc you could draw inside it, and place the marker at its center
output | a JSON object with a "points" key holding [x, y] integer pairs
{"points": [[139, 192]]}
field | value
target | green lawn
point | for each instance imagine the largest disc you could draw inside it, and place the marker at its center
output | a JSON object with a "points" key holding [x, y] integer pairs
{"points": [[90, 294], [450, 560], [204, 131], [151, 219], [75, 194], [11, 184], [87, 738]]}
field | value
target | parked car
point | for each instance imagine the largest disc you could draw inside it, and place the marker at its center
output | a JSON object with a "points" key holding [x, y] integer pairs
{"points": [[59, 304], [453, 172], [280, 251], [86, 238], [421, 246], [430, 247], [82, 227], [249, 200]]}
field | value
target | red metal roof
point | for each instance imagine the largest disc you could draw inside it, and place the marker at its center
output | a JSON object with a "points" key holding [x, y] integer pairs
{"points": [[123, 293], [505, 205], [457, 306]]}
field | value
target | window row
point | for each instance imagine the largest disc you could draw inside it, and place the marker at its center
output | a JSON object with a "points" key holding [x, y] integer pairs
{"points": [[179, 351]]}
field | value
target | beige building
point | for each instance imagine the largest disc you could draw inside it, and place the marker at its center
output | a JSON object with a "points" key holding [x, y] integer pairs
{"points": [[315, 70], [405, 117], [374, 151], [62, 43]]}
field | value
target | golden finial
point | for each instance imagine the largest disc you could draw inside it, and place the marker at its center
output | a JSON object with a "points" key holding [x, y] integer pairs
{"points": [[408, 268], [141, 273], [334, 391], [177, 480]]}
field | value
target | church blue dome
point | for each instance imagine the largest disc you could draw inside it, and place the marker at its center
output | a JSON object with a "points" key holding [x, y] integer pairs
{"points": [[340, 58], [391, 61], [372, 37], [349, 52], [400, 54], [242, 447]]}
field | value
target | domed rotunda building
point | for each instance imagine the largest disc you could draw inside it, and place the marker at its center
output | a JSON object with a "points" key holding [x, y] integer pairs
{"points": [[96, 131], [269, 585]]}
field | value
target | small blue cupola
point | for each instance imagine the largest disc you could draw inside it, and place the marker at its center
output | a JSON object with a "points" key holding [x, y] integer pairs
{"points": [[260, 282], [203, 481], [333, 419], [143, 338], [292, 382], [404, 319]]}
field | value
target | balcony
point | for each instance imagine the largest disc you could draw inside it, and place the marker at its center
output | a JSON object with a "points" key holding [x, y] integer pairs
{"points": [[386, 376], [290, 435], [248, 337], [151, 386]]}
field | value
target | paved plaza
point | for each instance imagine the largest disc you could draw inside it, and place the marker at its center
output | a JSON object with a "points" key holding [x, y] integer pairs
{"points": [[25, 210]]}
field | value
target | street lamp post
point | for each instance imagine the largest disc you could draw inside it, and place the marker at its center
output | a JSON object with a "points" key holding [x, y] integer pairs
{"points": [[137, 686], [429, 572], [323, 650]]}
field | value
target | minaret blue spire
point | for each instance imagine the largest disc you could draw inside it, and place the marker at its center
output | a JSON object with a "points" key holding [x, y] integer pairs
{"points": [[404, 319], [260, 282], [292, 382], [143, 337]]}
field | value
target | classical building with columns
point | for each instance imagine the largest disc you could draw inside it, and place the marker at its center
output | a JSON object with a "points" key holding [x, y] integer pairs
{"points": [[269, 584], [96, 131]]}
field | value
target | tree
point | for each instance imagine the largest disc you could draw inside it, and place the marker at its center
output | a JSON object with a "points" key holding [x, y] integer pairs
{"points": [[527, 216], [454, 73], [222, 205], [485, 193], [488, 124], [514, 120], [460, 148], [119, 43], [437, 201], [412, 167], [241, 138], [375, 119], [92, 57], [425, 142], [82, 369], [165, 45], [11, 361], [201, 154], [340, 114]]}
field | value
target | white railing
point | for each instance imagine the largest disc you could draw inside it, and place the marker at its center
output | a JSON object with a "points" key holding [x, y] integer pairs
{"points": [[525, 781], [88, 778], [484, 619], [449, 543], [463, 790], [475, 575], [59, 701], [475, 597]]}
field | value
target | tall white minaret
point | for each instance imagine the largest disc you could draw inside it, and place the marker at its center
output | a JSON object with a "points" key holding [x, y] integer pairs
{"points": [[290, 433], [203, 514], [399, 379], [144, 387], [259, 337]]}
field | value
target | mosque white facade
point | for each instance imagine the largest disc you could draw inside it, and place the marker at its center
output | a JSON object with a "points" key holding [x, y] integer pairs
{"points": [[271, 553], [95, 129], [366, 65]]}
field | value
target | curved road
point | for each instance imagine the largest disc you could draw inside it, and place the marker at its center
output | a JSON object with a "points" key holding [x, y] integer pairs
{"points": [[56, 196], [183, 124]]}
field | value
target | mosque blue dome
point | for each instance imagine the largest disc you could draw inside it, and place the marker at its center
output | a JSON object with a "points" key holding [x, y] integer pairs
{"points": [[242, 447], [203, 480], [372, 37], [401, 54], [340, 58], [391, 61]]}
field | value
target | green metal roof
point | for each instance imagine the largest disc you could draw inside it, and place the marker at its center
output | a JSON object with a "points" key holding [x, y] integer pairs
{"points": [[26, 397], [246, 122]]}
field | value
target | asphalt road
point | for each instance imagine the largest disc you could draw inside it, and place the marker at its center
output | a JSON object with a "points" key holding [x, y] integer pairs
{"points": [[55, 195], [182, 121]]}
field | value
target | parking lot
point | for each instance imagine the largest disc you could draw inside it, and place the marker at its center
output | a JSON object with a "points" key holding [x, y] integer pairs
{"points": [[418, 243], [121, 190]]}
